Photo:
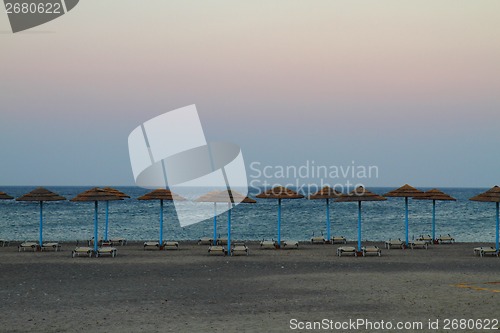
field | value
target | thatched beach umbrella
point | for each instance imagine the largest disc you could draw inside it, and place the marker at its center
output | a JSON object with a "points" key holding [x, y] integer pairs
{"points": [[360, 194], [406, 191], [279, 192], [5, 196], [326, 193], [117, 193], [492, 195], [162, 195], [95, 195], [435, 195], [40, 195], [229, 197]]}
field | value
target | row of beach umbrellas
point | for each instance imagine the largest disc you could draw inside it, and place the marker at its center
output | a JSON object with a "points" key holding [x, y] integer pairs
{"points": [[229, 197]]}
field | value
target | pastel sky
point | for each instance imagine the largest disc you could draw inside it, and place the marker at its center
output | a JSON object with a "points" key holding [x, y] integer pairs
{"points": [[412, 87]]}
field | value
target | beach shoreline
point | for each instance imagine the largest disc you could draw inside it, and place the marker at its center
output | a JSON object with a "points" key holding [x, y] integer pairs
{"points": [[188, 290]]}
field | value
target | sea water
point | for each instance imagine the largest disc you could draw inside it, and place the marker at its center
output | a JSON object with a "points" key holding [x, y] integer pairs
{"points": [[465, 220]]}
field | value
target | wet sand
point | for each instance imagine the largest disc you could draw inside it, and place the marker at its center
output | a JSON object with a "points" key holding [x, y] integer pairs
{"points": [[188, 291]]}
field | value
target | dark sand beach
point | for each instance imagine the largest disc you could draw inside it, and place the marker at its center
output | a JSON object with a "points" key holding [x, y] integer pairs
{"points": [[189, 291]]}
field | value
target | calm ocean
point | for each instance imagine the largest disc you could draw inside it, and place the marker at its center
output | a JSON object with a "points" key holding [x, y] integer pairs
{"points": [[467, 221]]}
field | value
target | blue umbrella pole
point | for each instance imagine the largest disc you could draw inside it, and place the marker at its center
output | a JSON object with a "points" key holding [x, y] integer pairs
{"points": [[279, 222], [96, 240], [498, 224], [406, 220], [161, 223], [359, 225], [40, 238], [229, 230], [215, 224], [433, 220], [107, 222], [328, 238]]}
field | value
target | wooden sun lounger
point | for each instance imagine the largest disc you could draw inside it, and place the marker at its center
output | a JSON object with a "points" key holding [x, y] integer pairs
{"points": [[205, 241], [485, 250], [240, 249], [27, 246], [82, 250], [156, 246], [51, 246], [267, 244], [106, 250], [371, 250], [151, 245], [339, 239], [427, 239], [216, 250], [347, 249], [170, 245], [446, 239], [394, 242], [291, 244], [118, 241], [318, 240], [419, 243], [90, 242], [221, 241]]}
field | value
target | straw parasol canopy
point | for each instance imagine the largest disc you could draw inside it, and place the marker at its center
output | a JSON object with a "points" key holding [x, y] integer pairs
{"points": [[96, 194], [279, 192], [360, 194], [492, 195], [406, 191], [435, 195], [40, 195], [225, 196], [116, 192], [161, 194], [5, 196], [326, 193]]}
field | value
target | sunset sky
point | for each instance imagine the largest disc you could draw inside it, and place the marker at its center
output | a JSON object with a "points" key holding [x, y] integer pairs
{"points": [[412, 87]]}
